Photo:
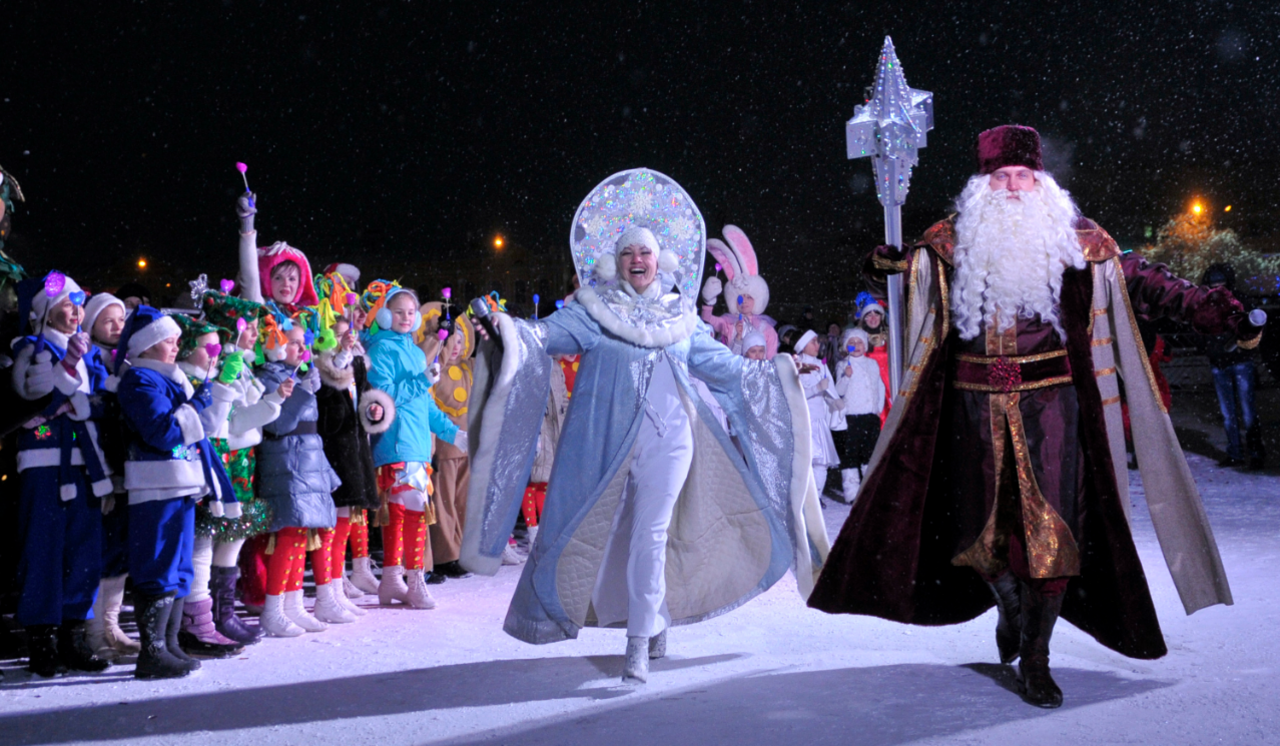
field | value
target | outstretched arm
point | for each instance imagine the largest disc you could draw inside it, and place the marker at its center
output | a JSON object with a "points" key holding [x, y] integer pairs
{"points": [[1155, 293]]}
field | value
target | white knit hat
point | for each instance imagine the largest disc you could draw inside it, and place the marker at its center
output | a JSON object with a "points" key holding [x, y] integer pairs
{"points": [[42, 304], [96, 305], [751, 339]]}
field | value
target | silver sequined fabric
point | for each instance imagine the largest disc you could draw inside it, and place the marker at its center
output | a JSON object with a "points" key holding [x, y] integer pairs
{"points": [[521, 421], [769, 433]]}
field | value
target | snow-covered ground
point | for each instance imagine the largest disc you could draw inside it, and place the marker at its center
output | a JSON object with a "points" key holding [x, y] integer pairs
{"points": [[770, 672]]}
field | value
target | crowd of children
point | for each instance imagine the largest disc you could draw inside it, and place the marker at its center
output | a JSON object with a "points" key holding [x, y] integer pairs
{"points": [[201, 456]]}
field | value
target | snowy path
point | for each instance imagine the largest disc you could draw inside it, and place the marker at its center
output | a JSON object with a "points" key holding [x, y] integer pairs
{"points": [[773, 671]]}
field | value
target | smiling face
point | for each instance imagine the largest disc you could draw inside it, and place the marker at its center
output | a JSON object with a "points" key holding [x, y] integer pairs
{"points": [[286, 278], [65, 317], [107, 327], [402, 306], [873, 320], [638, 265]]}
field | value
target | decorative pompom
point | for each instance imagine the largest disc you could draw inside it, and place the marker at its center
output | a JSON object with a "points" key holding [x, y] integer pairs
{"points": [[606, 267], [668, 261]]}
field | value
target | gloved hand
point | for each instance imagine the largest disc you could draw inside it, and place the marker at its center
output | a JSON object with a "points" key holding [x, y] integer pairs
{"points": [[311, 381], [77, 347], [202, 398], [433, 373], [711, 290], [245, 210], [835, 406], [108, 504], [460, 441], [824, 384], [39, 380], [232, 367]]}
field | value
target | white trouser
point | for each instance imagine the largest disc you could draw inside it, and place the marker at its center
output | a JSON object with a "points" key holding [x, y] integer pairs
{"points": [[638, 541], [227, 553], [819, 477], [201, 563]]}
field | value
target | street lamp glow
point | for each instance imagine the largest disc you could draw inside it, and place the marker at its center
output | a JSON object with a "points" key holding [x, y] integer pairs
{"points": [[1227, 208], [498, 242], [142, 264], [1197, 208]]}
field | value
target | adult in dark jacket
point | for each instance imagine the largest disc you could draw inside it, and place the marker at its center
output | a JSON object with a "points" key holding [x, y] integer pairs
{"points": [[1235, 377]]}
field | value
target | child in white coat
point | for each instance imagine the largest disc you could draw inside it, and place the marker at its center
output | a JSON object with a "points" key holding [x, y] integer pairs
{"points": [[859, 385], [820, 395]]}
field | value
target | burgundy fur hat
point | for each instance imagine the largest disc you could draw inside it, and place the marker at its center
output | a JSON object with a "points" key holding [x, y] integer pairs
{"points": [[1009, 145]]}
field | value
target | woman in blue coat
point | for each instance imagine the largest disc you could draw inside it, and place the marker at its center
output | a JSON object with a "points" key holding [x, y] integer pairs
{"points": [[653, 516]]}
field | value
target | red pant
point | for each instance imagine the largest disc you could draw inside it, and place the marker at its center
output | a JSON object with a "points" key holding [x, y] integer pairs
{"points": [[287, 562], [405, 527], [535, 496]]}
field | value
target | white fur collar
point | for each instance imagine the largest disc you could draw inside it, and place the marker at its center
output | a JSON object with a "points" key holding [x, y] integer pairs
{"points": [[651, 319], [168, 370], [194, 372]]}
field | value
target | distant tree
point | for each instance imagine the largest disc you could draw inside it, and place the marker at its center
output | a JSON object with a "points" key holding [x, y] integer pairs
{"points": [[1190, 243]]}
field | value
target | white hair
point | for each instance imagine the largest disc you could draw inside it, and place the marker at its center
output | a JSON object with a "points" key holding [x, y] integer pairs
{"points": [[1010, 254]]}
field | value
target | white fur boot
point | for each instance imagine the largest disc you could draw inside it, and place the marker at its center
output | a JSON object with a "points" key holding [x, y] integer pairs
{"points": [[328, 607], [392, 587], [274, 621], [362, 576], [349, 589], [851, 480], [418, 596], [298, 614], [637, 667]]}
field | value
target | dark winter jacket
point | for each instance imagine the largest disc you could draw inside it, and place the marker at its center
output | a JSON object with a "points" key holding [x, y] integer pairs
{"points": [[342, 427], [294, 475]]}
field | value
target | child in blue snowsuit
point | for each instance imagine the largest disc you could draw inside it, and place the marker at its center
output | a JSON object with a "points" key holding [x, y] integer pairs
{"points": [[170, 466], [63, 475]]}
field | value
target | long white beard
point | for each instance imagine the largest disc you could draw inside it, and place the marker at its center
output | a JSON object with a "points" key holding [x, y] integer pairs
{"points": [[1010, 255]]}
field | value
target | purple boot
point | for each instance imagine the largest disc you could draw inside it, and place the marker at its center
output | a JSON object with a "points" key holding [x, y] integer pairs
{"points": [[198, 635], [222, 585]]}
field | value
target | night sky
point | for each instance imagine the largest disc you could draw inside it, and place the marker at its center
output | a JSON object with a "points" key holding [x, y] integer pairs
{"points": [[384, 132]]}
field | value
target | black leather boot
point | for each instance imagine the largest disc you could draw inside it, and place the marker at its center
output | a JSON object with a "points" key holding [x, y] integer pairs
{"points": [[1009, 624], [74, 650], [42, 650], [154, 660], [1039, 614], [222, 586], [173, 625]]}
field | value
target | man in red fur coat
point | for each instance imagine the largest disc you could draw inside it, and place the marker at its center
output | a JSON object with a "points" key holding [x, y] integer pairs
{"points": [[1000, 474]]}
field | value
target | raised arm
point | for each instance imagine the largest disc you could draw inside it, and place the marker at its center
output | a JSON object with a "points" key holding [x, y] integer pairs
{"points": [[250, 283]]}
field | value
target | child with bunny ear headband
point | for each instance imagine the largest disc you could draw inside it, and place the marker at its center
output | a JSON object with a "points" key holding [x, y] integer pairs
{"points": [[746, 296]]}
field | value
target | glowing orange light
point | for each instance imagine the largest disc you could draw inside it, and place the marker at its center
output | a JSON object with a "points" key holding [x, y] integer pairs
{"points": [[1197, 208], [142, 264], [1227, 208], [498, 242]]}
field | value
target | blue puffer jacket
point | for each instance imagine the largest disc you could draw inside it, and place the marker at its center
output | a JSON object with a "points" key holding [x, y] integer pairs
{"points": [[398, 367], [293, 474]]}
